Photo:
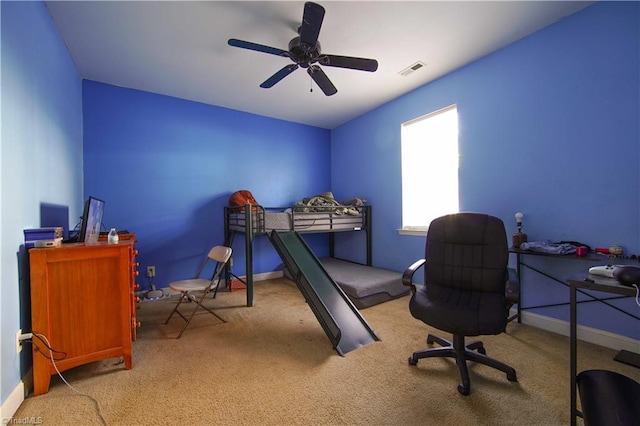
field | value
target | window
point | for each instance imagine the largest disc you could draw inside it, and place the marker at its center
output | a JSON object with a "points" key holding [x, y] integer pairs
{"points": [[429, 147]]}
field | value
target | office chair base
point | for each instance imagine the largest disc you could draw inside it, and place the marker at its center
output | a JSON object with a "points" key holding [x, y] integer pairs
{"points": [[473, 351]]}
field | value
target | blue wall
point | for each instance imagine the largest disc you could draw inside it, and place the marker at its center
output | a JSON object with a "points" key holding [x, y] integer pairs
{"points": [[548, 126], [41, 157], [166, 167]]}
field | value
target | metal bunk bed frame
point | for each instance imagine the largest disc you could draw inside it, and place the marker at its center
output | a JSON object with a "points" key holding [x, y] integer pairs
{"points": [[255, 213]]}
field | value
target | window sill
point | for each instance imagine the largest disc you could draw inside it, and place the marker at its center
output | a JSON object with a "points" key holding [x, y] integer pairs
{"points": [[413, 232]]}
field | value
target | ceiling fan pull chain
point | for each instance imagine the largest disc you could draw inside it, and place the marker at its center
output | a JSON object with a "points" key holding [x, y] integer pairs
{"points": [[310, 85]]}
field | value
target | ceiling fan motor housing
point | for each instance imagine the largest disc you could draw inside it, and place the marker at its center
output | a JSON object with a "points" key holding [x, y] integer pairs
{"points": [[303, 54]]}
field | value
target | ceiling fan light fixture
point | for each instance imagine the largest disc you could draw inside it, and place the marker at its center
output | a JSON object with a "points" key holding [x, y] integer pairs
{"points": [[412, 68]]}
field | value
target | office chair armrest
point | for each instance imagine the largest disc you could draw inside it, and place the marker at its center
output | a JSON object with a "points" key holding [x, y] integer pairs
{"points": [[407, 276], [513, 287]]}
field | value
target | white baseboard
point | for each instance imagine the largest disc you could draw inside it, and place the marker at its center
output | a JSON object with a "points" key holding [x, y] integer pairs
{"points": [[12, 403], [266, 276], [587, 334], [257, 277]]}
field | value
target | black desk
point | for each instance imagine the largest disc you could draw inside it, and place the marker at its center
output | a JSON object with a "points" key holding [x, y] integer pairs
{"points": [[586, 281], [592, 258]]}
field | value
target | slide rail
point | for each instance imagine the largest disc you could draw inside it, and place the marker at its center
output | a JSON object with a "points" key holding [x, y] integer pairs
{"points": [[340, 319]]}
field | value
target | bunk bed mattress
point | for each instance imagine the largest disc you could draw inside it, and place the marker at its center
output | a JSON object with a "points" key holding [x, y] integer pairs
{"points": [[302, 222], [364, 285]]}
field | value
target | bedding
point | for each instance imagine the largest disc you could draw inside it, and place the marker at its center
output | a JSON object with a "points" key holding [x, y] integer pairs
{"points": [[325, 202]]}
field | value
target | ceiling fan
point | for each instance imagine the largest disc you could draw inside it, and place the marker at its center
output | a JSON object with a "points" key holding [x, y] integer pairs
{"points": [[305, 52]]}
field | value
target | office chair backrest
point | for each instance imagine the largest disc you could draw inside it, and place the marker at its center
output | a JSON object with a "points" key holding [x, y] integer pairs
{"points": [[467, 251]]}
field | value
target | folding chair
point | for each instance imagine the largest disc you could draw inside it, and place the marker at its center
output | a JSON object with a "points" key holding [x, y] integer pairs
{"points": [[218, 254]]}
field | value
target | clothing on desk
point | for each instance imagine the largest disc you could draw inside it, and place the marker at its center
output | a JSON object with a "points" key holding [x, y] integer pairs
{"points": [[549, 247]]}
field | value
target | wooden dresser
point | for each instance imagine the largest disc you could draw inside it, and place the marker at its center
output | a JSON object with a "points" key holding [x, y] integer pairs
{"points": [[83, 302]]}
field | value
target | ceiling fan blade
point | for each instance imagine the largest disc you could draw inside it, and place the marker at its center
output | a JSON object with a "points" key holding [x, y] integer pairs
{"points": [[322, 80], [362, 64], [271, 81], [257, 47], [311, 23]]}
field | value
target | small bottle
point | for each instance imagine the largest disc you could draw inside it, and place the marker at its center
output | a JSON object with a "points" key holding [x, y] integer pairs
{"points": [[113, 236]]}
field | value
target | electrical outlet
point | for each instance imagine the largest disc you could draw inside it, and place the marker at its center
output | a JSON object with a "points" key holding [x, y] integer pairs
{"points": [[18, 341], [151, 271], [20, 337]]}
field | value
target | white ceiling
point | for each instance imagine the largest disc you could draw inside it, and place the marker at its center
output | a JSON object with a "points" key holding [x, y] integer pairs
{"points": [[179, 48]]}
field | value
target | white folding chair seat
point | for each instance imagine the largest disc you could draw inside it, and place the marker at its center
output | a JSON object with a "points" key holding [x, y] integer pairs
{"points": [[186, 288]]}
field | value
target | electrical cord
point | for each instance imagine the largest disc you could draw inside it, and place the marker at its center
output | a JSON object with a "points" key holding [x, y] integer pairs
{"points": [[45, 341], [49, 352]]}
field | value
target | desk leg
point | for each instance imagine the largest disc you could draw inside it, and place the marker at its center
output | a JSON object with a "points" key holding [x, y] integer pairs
{"points": [[573, 317], [519, 273]]}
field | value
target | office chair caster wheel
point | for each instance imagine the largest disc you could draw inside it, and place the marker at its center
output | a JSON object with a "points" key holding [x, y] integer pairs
{"points": [[413, 361], [482, 350], [512, 377], [464, 390]]}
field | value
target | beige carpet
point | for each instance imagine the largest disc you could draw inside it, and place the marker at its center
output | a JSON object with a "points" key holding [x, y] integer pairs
{"points": [[272, 364]]}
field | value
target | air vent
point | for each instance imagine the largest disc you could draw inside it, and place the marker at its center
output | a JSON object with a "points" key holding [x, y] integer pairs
{"points": [[415, 67]]}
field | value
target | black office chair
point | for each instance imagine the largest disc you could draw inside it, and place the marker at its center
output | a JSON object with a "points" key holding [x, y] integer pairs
{"points": [[468, 289], [608, 398]]}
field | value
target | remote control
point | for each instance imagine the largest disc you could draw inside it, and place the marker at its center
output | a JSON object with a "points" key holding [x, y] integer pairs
{"points": [[604, 271]]}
